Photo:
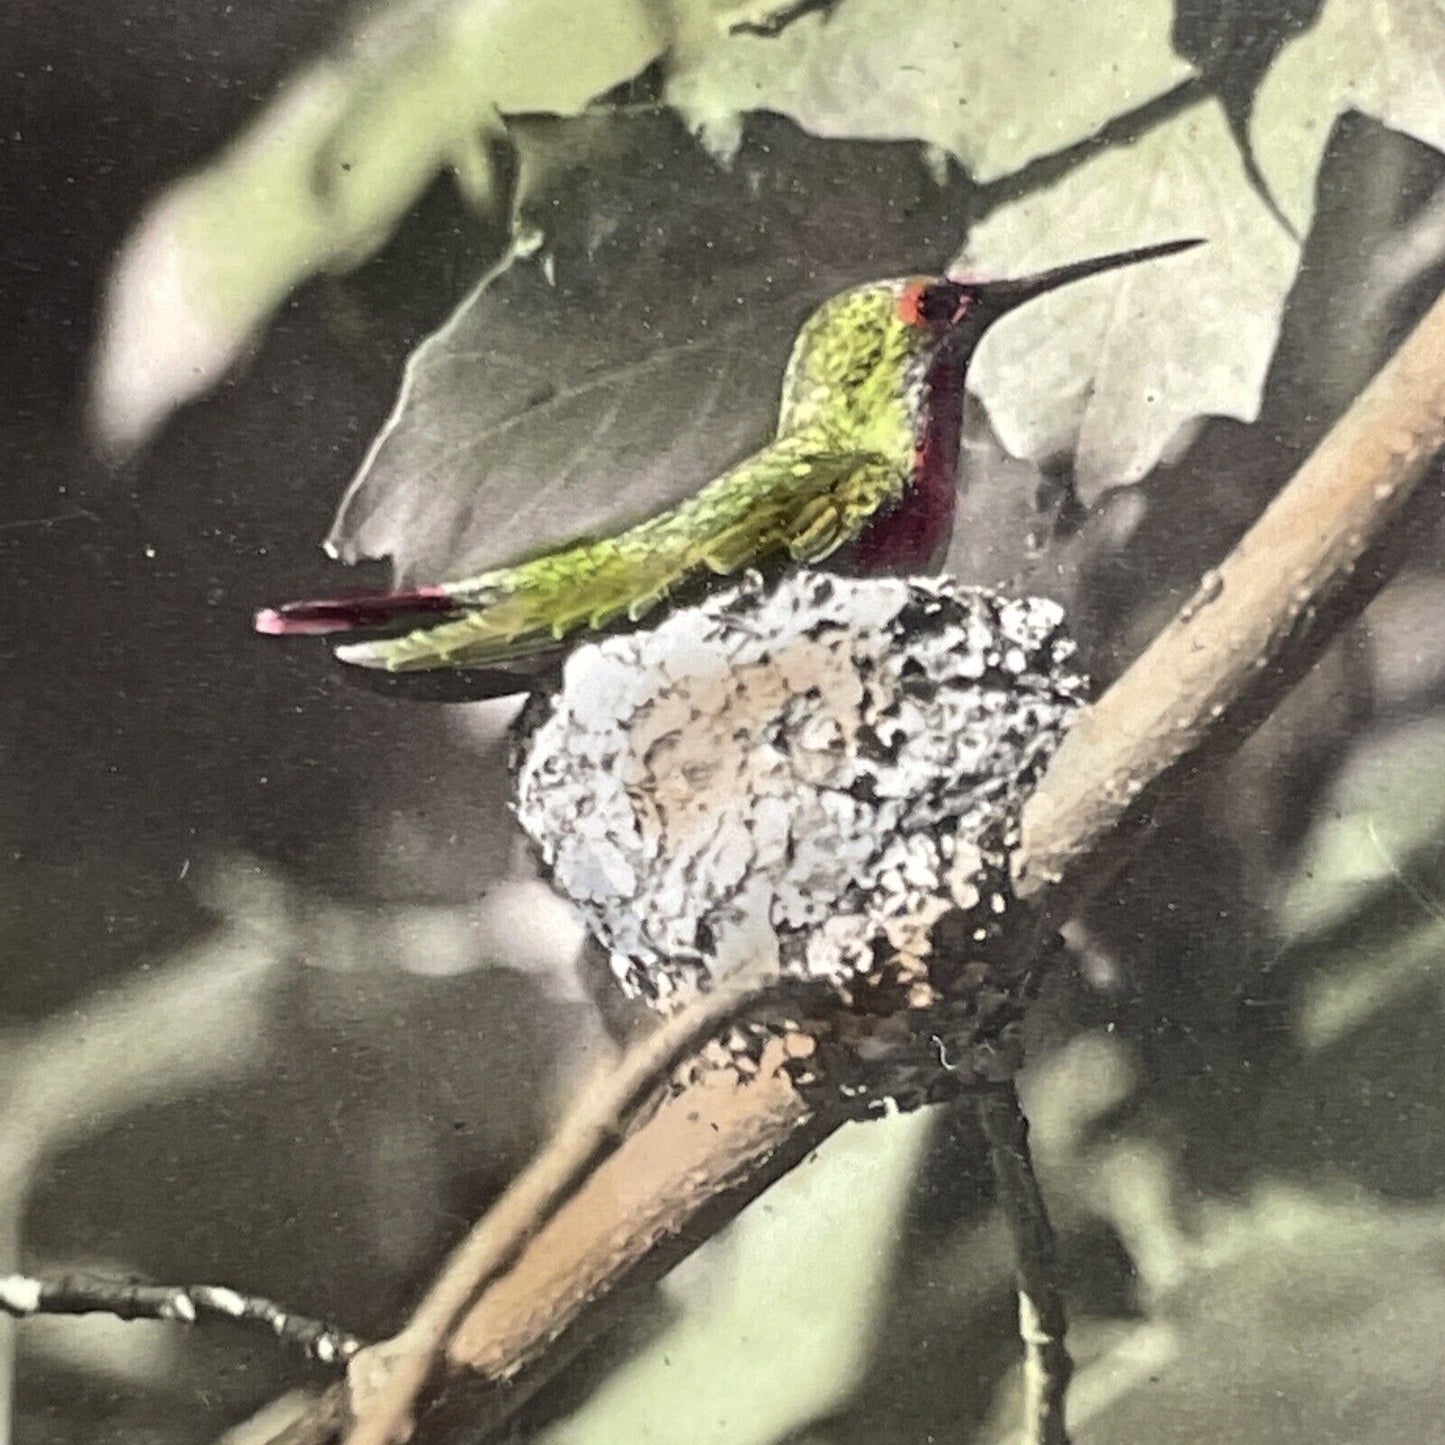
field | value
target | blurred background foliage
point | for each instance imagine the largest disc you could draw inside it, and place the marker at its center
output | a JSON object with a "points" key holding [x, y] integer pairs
{"points": [[282, 1005]]}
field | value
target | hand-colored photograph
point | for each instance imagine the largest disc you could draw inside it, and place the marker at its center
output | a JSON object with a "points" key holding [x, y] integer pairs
{"points": [[725, 722]]}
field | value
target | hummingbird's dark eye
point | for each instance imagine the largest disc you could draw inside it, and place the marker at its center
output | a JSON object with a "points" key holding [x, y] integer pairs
{"points": [[938, 303], [933, 305]]}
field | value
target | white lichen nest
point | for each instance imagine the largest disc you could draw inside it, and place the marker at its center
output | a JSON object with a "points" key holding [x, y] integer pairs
{"points": [[820, 776]]}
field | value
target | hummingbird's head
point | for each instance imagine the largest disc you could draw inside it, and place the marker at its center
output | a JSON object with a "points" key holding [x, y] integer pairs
{"points": [[869, 350], [932, 307], [955, 311]]}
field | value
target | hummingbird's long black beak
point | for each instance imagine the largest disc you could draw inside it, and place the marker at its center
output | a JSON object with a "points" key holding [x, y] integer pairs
{"points": [[992, 299]]}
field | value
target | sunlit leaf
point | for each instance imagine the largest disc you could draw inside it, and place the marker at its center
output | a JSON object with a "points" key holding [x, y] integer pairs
{"points": [[993, 85], [1355, 985], [323, 174], [1111, 369], [1305, 1319], [1384, 814], [1385, 58]]}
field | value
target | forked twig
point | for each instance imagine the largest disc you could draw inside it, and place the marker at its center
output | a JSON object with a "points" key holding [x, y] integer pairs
{"points": [[387, 1380]]}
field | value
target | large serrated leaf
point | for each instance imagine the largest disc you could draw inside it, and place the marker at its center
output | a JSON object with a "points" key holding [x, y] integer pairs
{"points": [[994, 85], [1110, 370], [1385, 58], [640, 350]]}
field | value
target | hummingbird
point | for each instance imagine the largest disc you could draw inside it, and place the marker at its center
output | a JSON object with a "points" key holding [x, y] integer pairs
{"points": [[861, 474]]}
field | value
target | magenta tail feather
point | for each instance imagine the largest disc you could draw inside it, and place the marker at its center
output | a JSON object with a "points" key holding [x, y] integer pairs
{"points": [[326, 615]]}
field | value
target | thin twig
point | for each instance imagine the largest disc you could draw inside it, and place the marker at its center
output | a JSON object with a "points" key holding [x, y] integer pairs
{"points": [[1042, 1323], [24, 1297], [71, 1076], [1234, 651]]}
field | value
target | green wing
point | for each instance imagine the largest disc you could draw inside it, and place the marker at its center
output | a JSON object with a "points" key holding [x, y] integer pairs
{"points": [[796, 498]]}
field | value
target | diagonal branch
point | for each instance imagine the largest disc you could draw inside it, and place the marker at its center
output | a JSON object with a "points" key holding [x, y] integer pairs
{"points": [[402, 1367], [1308, 566], [1316, 556]]}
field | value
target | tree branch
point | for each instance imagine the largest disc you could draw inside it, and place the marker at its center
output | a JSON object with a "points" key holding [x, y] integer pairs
{"points": [[386, 1380], [1310, 563], [1319, 552]]}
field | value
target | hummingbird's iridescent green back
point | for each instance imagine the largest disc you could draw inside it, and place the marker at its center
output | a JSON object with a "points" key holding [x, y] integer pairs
{"points": [[798, 498], [844, 451], [856, 371]]}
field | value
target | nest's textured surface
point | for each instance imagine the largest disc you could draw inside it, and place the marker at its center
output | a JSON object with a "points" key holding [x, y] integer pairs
{"points": [[821, 776], [818, 776]]}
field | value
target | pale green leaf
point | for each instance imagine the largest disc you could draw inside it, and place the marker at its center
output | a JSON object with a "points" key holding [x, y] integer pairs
{"points": [[1384, 812], [994, 85], [1111, 370], [1307, 1320], [1384, 58], [324, 173], [1358, 985]]}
